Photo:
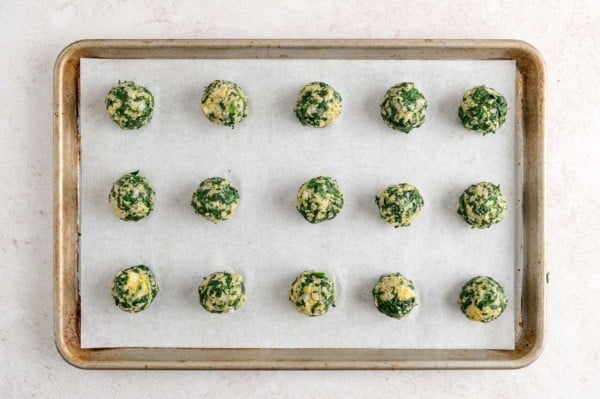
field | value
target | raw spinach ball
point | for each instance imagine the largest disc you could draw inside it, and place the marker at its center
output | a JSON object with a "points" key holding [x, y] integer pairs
{"points": [[399, 204], [318, 105], [134, 288], [224, 103], [319, 199], [483, 110], [216, 199], [482, 299], [222, 292], [312, 292], [394, 295], [130, 106], [403, 107], [482, 205], [131, 197]]}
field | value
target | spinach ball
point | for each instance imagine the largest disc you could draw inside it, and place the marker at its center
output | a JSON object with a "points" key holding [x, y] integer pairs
{"points": [[394, 295], [130, 106], [312, 292], [403, 107], [319, 199], [482, 205], [318, 105], [483, 110], [222, 292], [224, 103], [216, 199], [131, 197], [482, 299], [134, 288], [400, 204]]}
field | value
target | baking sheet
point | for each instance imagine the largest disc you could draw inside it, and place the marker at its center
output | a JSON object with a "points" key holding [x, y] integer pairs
{"points": [[267, 158]]}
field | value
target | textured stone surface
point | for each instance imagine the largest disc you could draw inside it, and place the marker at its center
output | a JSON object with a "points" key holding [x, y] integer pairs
{"points": [[565, 32]]}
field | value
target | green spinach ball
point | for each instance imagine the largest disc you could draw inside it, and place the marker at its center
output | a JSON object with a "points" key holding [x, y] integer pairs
{"points": [[482, 299], [394, 295], [483, 110], [403, 107], [131, 197], [400, 204], [482, 205], [319, 199], [318, 105], [222, 292], [312, 292], [224, 103], [134, 289], [216, 199], [130, 106]]}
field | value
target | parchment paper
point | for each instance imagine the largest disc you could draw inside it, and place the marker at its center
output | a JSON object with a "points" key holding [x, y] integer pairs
{"points": [[267, 158]]}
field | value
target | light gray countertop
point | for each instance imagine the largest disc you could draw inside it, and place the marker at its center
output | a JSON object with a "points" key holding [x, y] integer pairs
{"points": [[567, 35]]}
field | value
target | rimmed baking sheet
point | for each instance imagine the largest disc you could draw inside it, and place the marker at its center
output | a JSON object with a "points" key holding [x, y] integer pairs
{"points": [[529, 280]]}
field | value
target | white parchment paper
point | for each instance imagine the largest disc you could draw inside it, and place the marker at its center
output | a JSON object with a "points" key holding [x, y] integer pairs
{"points": [[268, 242]]}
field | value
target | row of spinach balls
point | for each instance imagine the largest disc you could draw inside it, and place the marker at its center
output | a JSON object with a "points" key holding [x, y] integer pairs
{"points": [[318, 200], [483, 109], [312, 293]]}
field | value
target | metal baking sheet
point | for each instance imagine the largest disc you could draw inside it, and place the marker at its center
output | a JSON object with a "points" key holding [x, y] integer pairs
{"points": [[526, 60]]}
